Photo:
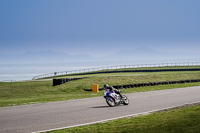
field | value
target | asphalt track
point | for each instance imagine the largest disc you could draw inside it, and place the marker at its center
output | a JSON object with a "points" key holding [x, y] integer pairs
{"points": [[40, 117]]}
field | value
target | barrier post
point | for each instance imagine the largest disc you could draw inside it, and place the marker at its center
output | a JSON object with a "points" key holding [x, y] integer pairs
{"points": [[95, 88]]}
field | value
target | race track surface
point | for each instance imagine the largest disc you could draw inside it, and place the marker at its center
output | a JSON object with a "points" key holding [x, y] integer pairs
{"points": [[39, 117]]}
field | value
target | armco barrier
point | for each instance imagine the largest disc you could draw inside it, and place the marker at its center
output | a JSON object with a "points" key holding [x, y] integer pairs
{"points": [[108, 68], [149, 84]]}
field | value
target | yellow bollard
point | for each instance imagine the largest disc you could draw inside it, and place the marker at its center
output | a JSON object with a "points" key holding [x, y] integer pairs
{"points": [[95, 88]]}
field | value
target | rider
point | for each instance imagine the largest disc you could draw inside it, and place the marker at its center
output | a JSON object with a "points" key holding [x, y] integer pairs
{"points": [[112, 89]]}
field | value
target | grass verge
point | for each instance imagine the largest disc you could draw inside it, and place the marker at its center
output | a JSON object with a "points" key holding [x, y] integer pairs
{"points": [[183, 120]]}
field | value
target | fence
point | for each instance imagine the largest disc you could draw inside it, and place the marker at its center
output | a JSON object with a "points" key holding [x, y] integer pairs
{"points": [[115, 67]]}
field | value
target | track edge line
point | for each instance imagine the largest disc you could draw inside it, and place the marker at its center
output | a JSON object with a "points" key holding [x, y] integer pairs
{"points": [[132, 115]]}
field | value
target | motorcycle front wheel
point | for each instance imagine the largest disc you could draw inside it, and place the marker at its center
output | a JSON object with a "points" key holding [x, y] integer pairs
{"points": [[110, 101], [125, 100]]}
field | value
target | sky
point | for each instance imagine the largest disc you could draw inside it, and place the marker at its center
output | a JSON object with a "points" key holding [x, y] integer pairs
{"points": [[99, 27]]}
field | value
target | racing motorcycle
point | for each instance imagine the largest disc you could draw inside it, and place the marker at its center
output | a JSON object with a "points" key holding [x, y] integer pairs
{"points": [[114, 99]]}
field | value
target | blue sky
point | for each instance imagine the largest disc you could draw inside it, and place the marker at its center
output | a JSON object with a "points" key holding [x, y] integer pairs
{"points": [[99, 27]]}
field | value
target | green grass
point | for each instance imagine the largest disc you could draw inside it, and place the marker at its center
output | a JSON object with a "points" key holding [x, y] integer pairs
{"points": [[183, 120], [21, 93]]}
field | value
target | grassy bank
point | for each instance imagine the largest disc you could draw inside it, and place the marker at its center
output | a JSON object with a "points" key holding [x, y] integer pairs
{"points": [[184, 120], [86, 74], [20, 93]]}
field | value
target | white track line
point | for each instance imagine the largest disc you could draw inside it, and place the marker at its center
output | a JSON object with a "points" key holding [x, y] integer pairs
{"points": [[132, 115]]}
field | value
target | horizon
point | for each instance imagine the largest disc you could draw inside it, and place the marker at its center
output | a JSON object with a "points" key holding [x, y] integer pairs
{"points": [[20, 72], [147, 48], [99, 28], [140, 54]]}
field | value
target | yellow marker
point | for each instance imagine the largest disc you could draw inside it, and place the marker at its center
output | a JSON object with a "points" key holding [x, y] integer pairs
{"points": [[95, 88]]}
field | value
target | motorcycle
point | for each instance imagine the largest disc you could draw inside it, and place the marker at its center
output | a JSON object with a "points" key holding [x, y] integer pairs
{"points": [[114, 99]]}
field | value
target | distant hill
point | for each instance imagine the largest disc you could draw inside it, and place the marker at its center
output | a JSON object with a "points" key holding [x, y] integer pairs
{"points": [[42, 57], [123, 55], [149, 54]]}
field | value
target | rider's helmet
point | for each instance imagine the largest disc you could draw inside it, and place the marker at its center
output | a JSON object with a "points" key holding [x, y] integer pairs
{"points": [[106, 86]]}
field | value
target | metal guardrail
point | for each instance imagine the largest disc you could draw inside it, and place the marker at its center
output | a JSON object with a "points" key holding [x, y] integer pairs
{"points": [[115, 67], [8, 80]]}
